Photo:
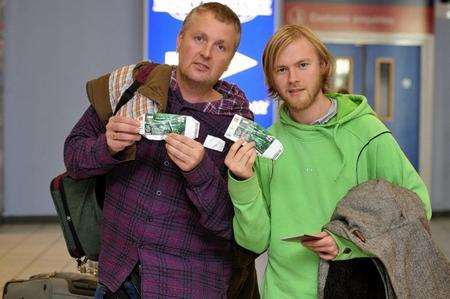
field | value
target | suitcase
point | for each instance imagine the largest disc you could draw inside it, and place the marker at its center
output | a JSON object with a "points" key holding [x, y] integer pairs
{"points": [[57, 285]]}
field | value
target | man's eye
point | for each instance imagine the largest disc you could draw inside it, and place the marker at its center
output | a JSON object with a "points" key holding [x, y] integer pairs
{"points": [[281, 70], [221, 48], [198, 38], [303, 65]]}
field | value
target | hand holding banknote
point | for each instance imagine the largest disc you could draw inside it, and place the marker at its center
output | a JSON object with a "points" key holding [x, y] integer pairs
{"points": [[240, 159], [266, 145], [121, 132], [184, 151]]}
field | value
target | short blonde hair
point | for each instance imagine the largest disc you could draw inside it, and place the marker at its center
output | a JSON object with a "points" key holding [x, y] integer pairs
{"points": [[286, 35], [220, 11]]}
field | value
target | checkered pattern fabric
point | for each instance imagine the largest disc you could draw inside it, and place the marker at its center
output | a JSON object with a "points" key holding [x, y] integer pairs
{"points": [[119, 81]]}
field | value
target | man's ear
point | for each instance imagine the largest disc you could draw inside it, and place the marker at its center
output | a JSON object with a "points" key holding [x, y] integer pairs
{"points": [[179, 37], [323, 67]]}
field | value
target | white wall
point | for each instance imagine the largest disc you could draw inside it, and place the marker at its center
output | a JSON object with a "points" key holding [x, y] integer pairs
{"points": [[52, 48]]}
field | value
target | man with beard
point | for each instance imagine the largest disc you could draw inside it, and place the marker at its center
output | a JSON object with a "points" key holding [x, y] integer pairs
{"points": [[331, 143], [167, 215]]}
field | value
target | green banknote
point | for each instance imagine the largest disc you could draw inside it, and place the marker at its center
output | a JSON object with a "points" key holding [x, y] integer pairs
{"points": [[248, 130], [157, 126]]}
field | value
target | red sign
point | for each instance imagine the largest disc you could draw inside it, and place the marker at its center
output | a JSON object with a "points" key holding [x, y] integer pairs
{"points": [[361, 17]]}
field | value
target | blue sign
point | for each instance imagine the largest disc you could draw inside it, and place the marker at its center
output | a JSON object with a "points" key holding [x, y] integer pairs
{"points": [[163, 22]]}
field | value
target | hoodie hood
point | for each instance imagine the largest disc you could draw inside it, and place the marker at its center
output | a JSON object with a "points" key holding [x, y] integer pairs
{"points": [[352, 107], [349, 107]]}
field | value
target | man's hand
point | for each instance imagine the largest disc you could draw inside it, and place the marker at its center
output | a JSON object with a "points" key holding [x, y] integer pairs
{"points": [[184, 151], [325, 247], [121, 132], [240, 159]]}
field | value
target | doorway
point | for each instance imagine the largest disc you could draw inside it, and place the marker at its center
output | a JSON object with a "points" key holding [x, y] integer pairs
{"points": [[389, 76]]}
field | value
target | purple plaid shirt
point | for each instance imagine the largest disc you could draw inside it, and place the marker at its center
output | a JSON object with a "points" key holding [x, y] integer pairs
{"points": [[177, 224]]}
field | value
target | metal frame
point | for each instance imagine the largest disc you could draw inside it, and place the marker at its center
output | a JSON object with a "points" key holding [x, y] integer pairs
{"points": [[145, 30], [390, 99], [426, 43], [2, 103], [279, 16]]}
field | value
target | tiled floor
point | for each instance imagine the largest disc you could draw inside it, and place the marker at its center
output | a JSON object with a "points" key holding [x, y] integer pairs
{"points": [[28, 249]]}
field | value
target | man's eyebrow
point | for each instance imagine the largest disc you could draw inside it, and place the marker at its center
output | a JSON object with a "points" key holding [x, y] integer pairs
{"points": [[199, 33], [220, 41], [301, 60]]}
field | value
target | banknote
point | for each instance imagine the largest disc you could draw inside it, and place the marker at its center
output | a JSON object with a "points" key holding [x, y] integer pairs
{"points": [[248, 130], [157, 126]]}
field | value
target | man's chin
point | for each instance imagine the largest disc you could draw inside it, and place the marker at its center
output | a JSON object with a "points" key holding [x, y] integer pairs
{"points": [[298, 104], [201, 79]]}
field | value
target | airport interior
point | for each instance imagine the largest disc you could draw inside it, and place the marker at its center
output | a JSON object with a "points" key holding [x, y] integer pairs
{"points": [[396, 53]]}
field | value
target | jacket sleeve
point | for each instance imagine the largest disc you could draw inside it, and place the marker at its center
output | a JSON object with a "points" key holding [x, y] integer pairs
{"points": [[384, 159], [251, 222], [86, 152], [348, 249]]}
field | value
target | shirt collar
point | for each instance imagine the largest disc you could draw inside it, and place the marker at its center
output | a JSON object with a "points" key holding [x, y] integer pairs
{"points": [[329, 115]]}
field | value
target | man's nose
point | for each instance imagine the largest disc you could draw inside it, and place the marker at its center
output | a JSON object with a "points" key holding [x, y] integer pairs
{"points": [[206, 50], [294, 75]]}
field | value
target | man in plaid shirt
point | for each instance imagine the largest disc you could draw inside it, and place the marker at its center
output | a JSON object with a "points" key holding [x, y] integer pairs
{"points": [[168, 210]]}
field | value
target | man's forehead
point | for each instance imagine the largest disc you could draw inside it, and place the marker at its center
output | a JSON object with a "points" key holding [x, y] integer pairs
{"points": [[197, 17], [193, 26], [296, 51]]}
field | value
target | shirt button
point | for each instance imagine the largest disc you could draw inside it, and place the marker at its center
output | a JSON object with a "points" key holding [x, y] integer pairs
{"points": [[166, 163], [158, 192], [347, 250], [149, 219]]}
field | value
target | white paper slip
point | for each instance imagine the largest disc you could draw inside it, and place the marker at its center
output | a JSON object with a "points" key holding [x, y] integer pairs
{"points": [[266, 145], [274, 150], [192, 127], [214, 143]]}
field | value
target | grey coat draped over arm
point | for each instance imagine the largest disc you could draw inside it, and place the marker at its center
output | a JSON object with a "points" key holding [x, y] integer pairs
{"points": [[389, 222]]}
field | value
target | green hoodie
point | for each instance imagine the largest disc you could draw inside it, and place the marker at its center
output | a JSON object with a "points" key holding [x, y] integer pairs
{"points": [[298, 193]]}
